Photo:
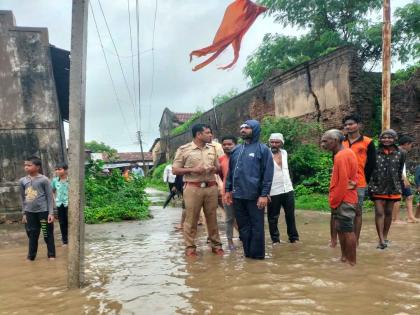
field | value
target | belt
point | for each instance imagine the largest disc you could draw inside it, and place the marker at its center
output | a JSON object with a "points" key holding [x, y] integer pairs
{"points": [[202, 184]]}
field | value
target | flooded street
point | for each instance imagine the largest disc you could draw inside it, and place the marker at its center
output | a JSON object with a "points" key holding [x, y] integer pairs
{"points": [[139, 268]]}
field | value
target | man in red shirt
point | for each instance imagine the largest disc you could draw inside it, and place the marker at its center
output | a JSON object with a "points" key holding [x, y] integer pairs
{"points": [[343, 195], [228, 143], [365, 151]]}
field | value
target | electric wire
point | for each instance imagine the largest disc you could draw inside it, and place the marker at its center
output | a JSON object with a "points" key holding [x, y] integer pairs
{"points": [[110, 74], [153, 65], [139, 82], [119, 62], [131, 50], [138, 61]]}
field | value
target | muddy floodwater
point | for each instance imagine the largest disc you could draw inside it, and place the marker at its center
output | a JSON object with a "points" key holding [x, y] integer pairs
{"points": [[139, 268]]}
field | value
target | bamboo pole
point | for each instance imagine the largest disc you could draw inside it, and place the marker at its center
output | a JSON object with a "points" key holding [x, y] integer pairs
{"points": [[75, 258], [386, 66]]}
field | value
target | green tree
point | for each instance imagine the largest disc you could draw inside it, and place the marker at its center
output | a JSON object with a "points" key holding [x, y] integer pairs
{"points": [[406, 31], [223, 97], [330, 24], [99, 147]]}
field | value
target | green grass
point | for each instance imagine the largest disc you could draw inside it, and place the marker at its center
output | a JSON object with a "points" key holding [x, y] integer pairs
{"points": [[313, 202], [156, 184], [319, 202]]}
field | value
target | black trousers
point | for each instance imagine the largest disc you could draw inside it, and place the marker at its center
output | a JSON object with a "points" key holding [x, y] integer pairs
{"points": [[37, 221], [287, 201], [250, 221], [64, 222]]}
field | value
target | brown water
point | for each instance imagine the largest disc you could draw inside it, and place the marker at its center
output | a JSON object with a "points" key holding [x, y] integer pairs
{"points": [[139, 268]]}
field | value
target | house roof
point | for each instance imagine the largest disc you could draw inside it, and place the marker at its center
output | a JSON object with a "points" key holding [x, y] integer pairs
{"points": [[154, 144], [134, 156], [183, 117]]}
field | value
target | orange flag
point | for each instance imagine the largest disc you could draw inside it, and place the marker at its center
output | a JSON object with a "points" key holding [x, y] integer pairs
{"points": [[238, 18]]}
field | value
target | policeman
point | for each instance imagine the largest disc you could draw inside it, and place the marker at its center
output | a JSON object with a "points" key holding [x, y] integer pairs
{"points": [[197, 162]]}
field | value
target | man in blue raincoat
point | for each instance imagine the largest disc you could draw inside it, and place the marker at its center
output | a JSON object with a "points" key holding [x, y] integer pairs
{"points": [[248, 186]]}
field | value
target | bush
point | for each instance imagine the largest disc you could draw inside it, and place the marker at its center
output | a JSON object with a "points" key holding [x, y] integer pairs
{"points": [[112, 198], [310, 167], [294, 131], [158, 171], [186, 125]]}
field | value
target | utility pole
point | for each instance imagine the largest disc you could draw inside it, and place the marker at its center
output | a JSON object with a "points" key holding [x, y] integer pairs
{"points": [[75, 266], [386, 66], [145, 168]]}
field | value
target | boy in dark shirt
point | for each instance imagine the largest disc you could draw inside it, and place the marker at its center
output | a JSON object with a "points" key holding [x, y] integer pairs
{"points": [[37, 207]]}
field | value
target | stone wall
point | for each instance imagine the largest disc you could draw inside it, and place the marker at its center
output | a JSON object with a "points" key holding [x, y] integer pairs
{"points": [[322, 90], [405, 113], [30, 122]]}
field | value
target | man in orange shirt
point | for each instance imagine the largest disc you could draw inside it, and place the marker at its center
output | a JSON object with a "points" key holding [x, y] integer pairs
{"points": [[343, 195], [365, 151]]}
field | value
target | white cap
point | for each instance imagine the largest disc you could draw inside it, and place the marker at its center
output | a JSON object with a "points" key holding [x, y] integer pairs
{"points": [[277, 136]]}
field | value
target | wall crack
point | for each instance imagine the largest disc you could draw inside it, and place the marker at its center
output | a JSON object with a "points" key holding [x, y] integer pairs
{"points": [[317, 106]]}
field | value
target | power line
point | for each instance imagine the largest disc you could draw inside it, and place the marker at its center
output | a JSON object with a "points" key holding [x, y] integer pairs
{"points": [[109, 73], [139, 135], [131, 49], [153, 64], [119, 60], [138, 59]]}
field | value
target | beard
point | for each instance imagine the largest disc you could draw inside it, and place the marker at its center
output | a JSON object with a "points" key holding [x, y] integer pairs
{"points": [[275, 150], [246, 136]]}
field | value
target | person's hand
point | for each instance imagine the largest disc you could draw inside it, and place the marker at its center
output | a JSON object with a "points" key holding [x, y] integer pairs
{"points": [[351, 185], [406, 183], [262, 202], [228, 198], [200, 169], [50, 218], [173, 189], [211, 169], [24, 220]]}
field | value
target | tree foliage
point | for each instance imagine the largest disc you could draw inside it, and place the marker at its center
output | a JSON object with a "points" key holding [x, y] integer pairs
{"points": [[330, 24], [223, 97], [99, 147]]}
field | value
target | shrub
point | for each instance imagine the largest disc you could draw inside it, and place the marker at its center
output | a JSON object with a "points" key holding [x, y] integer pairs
{"points": [[310, 167], [158, 171], [112, 198], [186, 125]]}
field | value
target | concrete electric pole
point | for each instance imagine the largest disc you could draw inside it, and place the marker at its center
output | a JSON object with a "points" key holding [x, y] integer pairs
{"points": [[75, 264]]}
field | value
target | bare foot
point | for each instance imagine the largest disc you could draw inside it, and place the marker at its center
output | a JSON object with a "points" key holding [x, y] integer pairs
{"points": [[179, 227], [231, 246], [412, 220], [398, 222], [343, 259], [51, 258], [333, 243]]}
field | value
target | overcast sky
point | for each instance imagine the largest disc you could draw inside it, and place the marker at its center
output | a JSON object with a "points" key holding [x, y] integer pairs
{"points": [[181, 26]]}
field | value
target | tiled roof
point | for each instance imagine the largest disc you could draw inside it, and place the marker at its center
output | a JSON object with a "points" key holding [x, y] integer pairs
{"points": [[183, 117], [134, 156]]}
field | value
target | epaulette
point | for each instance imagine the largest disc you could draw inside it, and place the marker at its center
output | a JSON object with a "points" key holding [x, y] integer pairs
{"points": [[184, 146]]}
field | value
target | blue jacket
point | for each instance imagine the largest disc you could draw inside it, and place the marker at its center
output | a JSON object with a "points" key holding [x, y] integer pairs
{"points": [[250, 168]]}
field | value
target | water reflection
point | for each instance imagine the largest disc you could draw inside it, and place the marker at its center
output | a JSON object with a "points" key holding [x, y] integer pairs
{"points": [[139, 268]]}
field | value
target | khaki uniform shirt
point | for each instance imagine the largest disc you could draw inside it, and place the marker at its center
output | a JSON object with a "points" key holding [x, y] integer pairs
{"points": [[190, 155]]}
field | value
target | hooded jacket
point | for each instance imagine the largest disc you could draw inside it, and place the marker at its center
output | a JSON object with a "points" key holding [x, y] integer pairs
{"points": [[250, 168]]}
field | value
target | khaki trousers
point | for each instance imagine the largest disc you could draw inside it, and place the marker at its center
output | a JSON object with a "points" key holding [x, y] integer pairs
{"points": [[196, 198]]}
